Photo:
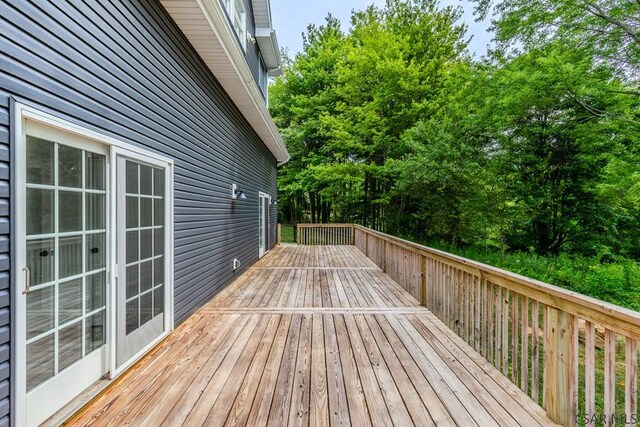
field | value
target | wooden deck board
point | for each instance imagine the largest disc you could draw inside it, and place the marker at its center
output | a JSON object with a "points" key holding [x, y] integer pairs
{"points": [[312, 336]]}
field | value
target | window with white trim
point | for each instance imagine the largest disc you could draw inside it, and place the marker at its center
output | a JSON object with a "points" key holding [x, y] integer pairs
{"points": [[263, 77], [238, 16]]}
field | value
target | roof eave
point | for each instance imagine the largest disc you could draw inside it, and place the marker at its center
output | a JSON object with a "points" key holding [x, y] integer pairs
{"points": [[205, 24]]}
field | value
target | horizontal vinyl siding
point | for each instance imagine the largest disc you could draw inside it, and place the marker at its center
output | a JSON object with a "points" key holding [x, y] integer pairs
{"points": [[252, 48], [5, 282], [123, 68]]}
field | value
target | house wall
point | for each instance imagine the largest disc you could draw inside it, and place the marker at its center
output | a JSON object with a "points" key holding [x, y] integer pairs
{"points": [[5, 260], [123, 68], [252, 48]]}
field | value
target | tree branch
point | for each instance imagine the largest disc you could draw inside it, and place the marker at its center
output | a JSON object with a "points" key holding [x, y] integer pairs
{"points": [[626, 92], [600, 113], [596, 10]]}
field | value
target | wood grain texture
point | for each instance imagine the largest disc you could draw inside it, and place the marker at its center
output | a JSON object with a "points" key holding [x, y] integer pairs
{"points": [[318, 336]]}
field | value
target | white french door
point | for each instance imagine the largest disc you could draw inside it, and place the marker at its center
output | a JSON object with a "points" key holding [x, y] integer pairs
{"points": [[263, 223], [93, 287], [142, 240], [65, 265]]}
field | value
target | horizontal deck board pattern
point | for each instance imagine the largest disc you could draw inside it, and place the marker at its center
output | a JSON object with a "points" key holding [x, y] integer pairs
{"points": [[313, 335]]}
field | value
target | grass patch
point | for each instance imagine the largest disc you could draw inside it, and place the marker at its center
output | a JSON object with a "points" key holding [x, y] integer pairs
{"points": [[286, 233]]}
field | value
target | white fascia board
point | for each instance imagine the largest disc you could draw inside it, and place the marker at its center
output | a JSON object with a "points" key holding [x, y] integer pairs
{"points": [[262, 13], [268, 44], [205, 24]]}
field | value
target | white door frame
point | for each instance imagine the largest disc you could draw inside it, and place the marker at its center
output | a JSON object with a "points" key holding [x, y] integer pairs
{"points": [[24, 112], [137, 156], [263, 250]]}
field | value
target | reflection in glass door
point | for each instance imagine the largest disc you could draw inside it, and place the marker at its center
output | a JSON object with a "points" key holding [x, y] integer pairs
{"points": [[141, 256], [263, 224], [65, 269]]}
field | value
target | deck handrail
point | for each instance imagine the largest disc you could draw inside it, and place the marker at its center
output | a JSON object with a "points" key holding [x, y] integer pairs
{"points": [[325, 234], [542, 337]]}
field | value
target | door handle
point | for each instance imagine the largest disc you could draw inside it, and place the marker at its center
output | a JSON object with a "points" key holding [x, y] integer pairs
{"points": [[27, 280]]}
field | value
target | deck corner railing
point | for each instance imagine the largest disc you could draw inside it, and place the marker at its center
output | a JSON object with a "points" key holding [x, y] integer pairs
{"points": [[574, 355], [325, 234]]}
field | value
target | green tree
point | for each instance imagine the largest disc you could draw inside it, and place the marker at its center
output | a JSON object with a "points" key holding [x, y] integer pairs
{"points": [[554, 149], [610, 29], [300, 102], [345, 102]]}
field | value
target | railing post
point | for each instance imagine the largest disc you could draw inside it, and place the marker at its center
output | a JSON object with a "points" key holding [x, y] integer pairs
{"points": [[279, 233], [298, 231], [366, 244], [384, 256], [423, 280], [560, 366], [353, 235]]}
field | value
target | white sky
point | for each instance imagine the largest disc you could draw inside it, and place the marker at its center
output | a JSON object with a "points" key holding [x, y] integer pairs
{"points": [[291, 17]]}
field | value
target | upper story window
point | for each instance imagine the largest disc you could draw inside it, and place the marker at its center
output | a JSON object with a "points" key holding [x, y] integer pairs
{"points": [[263, 78], [238, 15]]}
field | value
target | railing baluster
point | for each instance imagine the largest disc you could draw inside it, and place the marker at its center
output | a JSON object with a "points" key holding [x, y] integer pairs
{"points": [[589, 369], [442, 291], [535, 351], [571, 400], [482, 313], [438, 288], [453, 301], [472, 310], [498, 337], [467, 307], [524, 347], [477, 284], [490, 324], [462, 325], [514, 337], [505, 332], [631, 379], [609, 375]]}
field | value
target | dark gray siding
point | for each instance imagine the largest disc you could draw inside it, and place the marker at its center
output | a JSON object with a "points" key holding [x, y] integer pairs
{"points": [[252, 48], [5, 265], [122, 67]]}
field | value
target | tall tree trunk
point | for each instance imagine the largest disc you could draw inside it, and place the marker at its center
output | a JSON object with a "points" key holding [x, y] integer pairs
{"points": [[312, 206]]}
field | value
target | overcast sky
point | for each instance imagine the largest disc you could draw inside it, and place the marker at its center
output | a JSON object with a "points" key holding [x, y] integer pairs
{"points": [[291, 17]]}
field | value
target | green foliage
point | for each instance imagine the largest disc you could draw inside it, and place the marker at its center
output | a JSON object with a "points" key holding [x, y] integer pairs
{"points": [[606, 277], [608, 28], [286, 233], [531, 154], [346, 100]]}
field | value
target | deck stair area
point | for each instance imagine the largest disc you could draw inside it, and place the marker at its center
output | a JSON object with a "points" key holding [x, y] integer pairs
{"points": [[353, 327]]}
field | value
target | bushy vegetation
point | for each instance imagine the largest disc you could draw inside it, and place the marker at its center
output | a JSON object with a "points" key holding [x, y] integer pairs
{"points": [[611, 279], [287, 234]]}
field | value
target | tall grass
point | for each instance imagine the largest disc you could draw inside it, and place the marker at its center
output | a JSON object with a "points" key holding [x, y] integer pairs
{"points": [[286, 233], [612, 279]]}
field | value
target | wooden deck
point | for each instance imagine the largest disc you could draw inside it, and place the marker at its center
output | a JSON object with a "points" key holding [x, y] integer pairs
{"points": [[313, 335]]}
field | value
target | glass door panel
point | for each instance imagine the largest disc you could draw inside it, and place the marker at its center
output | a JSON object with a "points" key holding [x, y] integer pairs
{"points": [[141, 256], [65, 220], [265, 220], [261, 244], [263, 223]]}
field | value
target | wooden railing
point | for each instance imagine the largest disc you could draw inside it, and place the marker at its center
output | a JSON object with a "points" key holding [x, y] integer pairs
{"points": [[574, 355], [325, 234]]}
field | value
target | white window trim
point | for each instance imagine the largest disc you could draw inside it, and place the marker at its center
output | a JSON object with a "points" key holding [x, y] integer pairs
{"points": [[242, 34], [262, 195], [263, 78], [18, 302]]}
